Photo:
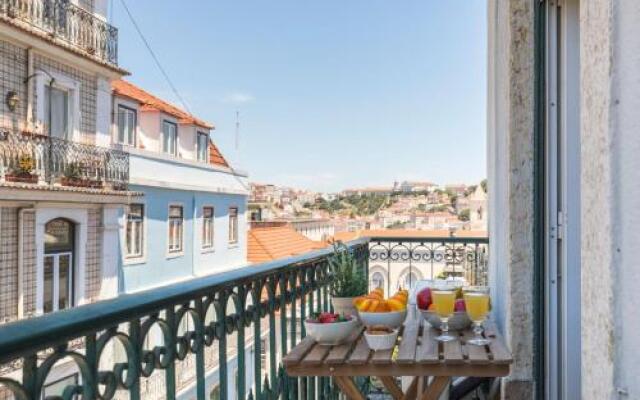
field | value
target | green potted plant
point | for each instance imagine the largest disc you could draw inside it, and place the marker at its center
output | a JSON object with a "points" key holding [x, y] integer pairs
{"points": [[348, 281], [24, 171]]}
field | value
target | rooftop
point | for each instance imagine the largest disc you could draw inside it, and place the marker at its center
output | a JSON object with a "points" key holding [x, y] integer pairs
{"points": [[272, 243], [150, 102]]}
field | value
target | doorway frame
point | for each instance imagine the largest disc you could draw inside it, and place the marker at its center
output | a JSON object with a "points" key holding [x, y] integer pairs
{"points": [[78, 216]]}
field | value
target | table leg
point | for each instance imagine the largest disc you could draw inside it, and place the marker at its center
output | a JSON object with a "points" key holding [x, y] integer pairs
{"points": [[412, 391], [389, 382], [435, 389], [349, 388]]}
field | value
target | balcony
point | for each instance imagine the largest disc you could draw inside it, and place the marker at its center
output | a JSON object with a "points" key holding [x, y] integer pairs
{"points": [[51, 162], [228, 313], [66, 23]]}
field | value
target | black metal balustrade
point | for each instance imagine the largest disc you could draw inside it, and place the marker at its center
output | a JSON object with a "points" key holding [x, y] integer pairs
{"points": [[66, 21], [272, 299], [431, 258], [38, 159]]}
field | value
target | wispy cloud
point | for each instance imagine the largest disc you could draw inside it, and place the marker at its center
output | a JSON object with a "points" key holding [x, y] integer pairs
{"points": [[239, 98]]}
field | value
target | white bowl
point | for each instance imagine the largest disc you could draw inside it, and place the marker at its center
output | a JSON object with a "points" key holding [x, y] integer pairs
{"points": [[333, 333], [391, 319], [381, 341], [458, 322]]}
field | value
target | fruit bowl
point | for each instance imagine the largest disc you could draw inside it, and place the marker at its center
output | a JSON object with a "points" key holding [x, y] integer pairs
{"points": [[458, 322], [381, 338], [392, 319], [331, 333]]}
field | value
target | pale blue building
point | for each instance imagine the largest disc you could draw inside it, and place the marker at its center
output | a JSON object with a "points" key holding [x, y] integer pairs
{"points": [[191, 219]]}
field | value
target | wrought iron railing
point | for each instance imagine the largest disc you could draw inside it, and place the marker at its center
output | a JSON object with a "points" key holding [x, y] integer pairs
{"points": [[202, 324], [282, 292], [64, 20], [39, 159], [416, 258]]}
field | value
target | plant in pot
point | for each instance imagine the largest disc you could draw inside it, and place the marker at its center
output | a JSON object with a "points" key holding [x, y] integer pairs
{"points": [[24, 171], [348, 281], [73, 175]]}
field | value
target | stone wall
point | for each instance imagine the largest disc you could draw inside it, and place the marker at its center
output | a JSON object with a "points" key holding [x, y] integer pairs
{"points": [[8, 263], [13, 70], [93, 275], [511, 167], [610, 51]]}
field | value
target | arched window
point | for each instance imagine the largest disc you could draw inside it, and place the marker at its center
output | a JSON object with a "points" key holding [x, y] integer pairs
{"points": [[409, 280], [59, 243], [377, 280]]}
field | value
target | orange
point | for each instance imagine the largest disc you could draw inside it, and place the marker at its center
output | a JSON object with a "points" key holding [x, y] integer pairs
{"points": [[395, 305]]}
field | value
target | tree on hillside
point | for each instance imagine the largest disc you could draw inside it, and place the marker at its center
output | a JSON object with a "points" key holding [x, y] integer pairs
{"points": [[464, 215], [484, 185]]}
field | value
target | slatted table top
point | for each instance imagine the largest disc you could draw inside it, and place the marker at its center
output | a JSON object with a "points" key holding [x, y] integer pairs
{"points": [[416, 353]]}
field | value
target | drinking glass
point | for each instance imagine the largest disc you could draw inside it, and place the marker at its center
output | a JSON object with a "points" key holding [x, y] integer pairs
{"points": [[476, 300], [444, 300]]}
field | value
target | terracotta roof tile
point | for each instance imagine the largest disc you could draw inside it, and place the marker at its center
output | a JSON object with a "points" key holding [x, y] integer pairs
{"points": [[215, 156], [150, 102], [272, 243]]}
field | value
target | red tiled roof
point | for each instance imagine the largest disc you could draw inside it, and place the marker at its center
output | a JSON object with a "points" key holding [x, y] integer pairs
{"points": [[272, 243], [215, 156], [150, 102]]}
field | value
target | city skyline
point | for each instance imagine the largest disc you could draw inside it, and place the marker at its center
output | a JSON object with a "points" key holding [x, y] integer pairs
{"points": [[387, 99]]}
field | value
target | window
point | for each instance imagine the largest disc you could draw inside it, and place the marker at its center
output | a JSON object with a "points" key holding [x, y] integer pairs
{"points": [[233, 225], [207, 227], [169, 137], [126, 126], [135, 231], [203, 146], [56, 111], [410, 280], [176, 222], [58, 387], [58, 293], [377, 280]]}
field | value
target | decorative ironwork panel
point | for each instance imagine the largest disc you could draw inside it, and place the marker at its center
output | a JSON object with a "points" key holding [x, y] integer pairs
{"points": [[64, 20], [430, 258], [128, 339], [43, 159]]}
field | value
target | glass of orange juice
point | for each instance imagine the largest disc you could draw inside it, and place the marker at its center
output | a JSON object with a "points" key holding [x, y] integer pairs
{"points": [[444, 299], [476, 300]]}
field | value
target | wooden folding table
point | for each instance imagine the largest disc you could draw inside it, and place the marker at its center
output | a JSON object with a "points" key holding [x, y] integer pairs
{"points": [[417, 354]]}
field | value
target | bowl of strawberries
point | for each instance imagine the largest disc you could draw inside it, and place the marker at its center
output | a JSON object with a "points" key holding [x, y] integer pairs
{"points": [[330, 328], [374, 309]]}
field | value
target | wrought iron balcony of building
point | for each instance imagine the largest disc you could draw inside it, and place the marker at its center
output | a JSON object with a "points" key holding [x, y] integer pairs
{"points": [[62, 20], [43, 160], [234, 314]]}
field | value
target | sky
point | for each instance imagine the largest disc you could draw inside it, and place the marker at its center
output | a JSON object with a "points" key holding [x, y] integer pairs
{"points": [[332, 94]]}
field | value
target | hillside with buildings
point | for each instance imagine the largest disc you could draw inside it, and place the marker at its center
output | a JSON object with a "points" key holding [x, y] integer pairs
{"points": [[403, 205]]}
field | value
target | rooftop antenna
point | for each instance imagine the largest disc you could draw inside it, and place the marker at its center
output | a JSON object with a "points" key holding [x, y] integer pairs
{"points": [[237, 129]]}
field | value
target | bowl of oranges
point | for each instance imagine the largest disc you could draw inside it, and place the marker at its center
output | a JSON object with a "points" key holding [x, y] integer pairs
{"points": [[375, 310]]}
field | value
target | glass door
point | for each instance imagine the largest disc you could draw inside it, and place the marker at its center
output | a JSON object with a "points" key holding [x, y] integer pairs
{"points": [[562, 208], [58, 281]]}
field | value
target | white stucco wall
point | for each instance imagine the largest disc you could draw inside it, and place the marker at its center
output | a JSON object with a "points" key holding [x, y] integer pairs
{"points": [[510, 183], [611, 172], [149, 125], [160, 170]]}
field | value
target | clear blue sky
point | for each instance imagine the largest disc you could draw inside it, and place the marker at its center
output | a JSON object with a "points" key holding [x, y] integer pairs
{"points": [[332, 93]]}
